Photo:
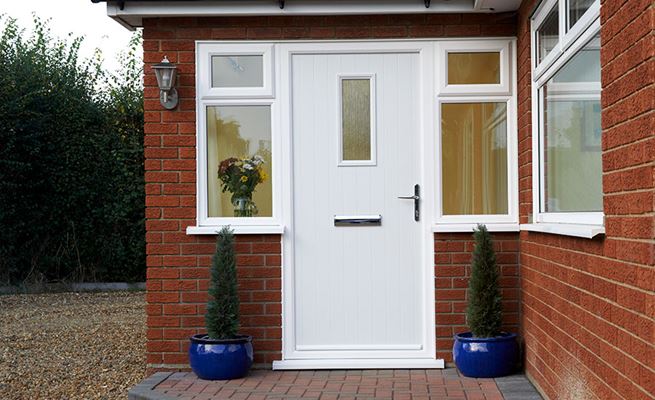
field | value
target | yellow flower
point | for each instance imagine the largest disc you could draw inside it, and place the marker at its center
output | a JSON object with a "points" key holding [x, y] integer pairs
{"points": [[244, 179], [262, 176]]}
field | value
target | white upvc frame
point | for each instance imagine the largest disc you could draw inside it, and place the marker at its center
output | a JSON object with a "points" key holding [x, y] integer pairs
{"points": [[567, 37], [373, 124], [504, 87], [205, 52], [580, 224], [502, 93], [208, 97]]}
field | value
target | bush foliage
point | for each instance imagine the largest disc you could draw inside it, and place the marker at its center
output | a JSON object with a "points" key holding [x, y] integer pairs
{"points": [[484, 312], [222, 317], [71, 162]]}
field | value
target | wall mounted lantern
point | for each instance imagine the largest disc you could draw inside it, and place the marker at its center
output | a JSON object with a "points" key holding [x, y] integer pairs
{"points": [[166, 73]]}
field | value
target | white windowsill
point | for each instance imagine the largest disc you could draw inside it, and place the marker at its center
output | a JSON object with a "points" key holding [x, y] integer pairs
{"points": [[238, 229], [454, 228], [577, 230]]}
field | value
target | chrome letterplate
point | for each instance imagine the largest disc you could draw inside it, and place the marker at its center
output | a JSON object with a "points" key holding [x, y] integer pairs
{"points": [[357, 220]]}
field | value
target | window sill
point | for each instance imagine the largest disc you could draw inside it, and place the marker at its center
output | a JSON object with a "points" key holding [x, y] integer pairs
{"points": [[454, 228], [238, 229], [577, 230]]}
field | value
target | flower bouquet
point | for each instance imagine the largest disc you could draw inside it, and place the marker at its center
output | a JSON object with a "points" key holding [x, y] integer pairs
{"points": [[240, 177]]}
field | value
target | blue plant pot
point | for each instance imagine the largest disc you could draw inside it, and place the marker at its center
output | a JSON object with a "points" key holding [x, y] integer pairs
{"points": [[212, 359], [485, 357]]}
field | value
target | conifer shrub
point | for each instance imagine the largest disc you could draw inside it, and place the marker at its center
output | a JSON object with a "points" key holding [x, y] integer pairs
{"points": [[484, 311], [222, 317]]}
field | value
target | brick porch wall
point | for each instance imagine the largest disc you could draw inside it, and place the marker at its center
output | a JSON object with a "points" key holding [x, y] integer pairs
{"points": [[452, 257], [178, 264], [588, 305]]}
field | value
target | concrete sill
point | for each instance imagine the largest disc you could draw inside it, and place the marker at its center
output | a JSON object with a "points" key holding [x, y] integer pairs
{"points": [[577, 230], [238, 229]]}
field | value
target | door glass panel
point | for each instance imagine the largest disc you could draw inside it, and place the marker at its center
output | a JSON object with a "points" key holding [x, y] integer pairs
{"points": [[548, 34], [572, 162], [577, 8], [356, 119], [474, 158], [239, 161], [473, 68], [237, 71]]}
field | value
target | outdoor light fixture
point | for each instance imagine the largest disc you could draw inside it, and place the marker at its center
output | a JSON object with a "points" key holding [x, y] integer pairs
{"points": [[166, 72]]}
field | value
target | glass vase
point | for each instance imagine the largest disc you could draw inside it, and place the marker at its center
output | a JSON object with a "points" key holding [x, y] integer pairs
{"points": [[244, 207]]}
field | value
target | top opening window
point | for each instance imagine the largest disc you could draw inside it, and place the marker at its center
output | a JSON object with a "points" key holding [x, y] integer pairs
{"points": [[548, 34], [576, 9], [473, 68], [237, 71]]}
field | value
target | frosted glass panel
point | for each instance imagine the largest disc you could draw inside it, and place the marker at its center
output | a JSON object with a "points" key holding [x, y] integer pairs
{"points": [[473, 68], [572, 162], [474, 158], [240, 132], [548, 34], [237, 71], [356, 119]]}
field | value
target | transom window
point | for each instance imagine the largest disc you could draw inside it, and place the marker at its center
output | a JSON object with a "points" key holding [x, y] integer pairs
{"points": [[567, 167]]}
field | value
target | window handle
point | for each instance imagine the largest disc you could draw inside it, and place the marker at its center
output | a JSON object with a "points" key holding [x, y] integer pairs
{"points": [[417, 199]]}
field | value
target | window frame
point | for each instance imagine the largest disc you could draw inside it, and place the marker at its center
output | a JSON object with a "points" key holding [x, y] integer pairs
{"points": [[373, 115], [504, 87], [505, 92], [204, 70], [569, 44], [209, 97]]}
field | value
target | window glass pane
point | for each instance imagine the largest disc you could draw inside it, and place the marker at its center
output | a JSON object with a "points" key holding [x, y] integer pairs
{"points": [[356, 119], [576, 9], [473, 68], [237, 71], [548, 34], [572, 164], [243, 134], [474, 158]]}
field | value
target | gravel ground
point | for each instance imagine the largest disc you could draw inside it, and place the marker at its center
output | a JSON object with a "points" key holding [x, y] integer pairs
{"points": [[71, 346]]}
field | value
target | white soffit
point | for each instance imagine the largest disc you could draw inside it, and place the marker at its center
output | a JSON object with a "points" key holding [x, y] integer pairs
{"points": [[133, 12]]}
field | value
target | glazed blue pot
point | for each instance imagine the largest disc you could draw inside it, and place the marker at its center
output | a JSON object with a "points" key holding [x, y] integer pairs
{"points": [[485, 357], [212, 359]]}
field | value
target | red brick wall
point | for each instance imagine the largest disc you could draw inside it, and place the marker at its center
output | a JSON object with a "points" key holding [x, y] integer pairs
{"points": [[177, 263], [452, 258], [588, 305]]}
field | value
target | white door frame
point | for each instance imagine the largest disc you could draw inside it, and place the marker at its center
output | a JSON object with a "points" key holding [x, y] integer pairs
{"points": [[426, 358]]}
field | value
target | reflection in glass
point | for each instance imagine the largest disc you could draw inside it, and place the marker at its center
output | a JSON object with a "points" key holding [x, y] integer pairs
{"points": [[548, 34], [238, 131], [474, 158], [572, 142], [577, 8], [237, 71], [356, 119], [473, 68]]}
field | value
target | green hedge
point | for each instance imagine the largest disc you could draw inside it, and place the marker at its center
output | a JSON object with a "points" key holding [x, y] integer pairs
{"points": [[71, 162]]}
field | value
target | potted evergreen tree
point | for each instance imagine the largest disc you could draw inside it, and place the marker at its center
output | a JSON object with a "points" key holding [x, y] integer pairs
{"points": [[485, 351], [222, 353]]}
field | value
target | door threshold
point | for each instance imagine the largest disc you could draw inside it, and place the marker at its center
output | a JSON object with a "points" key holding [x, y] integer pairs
{"points": [[396, 363]]}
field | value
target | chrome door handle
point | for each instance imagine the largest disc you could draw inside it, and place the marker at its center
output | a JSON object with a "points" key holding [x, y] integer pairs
{"points": [[417, 199]]}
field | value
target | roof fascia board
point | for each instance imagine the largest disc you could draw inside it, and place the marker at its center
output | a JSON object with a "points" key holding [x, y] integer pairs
{"points": [[133, 12]]}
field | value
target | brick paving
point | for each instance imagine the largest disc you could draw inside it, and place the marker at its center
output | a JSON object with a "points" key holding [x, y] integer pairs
{"points": [[351, 384]]}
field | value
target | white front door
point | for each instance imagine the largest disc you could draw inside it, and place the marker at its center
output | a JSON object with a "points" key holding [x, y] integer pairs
{"points": [[358, 251]]}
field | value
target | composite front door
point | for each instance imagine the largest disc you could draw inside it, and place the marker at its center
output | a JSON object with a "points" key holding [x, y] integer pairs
{"points": [[357, 244]]}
